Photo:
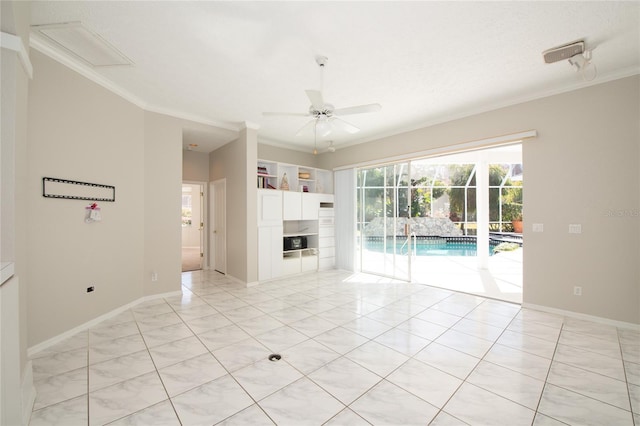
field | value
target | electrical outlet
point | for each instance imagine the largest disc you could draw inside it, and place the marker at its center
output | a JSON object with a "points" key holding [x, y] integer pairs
{"points": [[154, 276], [577, 291], [575, 228], [90, 289]]}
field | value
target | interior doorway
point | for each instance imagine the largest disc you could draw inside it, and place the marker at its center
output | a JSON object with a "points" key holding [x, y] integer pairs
{"points": [[192, 226]]}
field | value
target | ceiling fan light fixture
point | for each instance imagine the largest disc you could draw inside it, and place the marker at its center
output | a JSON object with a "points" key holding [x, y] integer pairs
{"points": [[323, 127]]}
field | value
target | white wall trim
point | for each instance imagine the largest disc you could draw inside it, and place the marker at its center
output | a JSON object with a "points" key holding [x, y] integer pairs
{"points": [[28, 393], [13, 42], [60, 337], [586, 317], [450, 149], [239, 281], [250, 125]]}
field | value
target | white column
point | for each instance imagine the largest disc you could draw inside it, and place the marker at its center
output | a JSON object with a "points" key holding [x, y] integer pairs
{"points": [[482, 210]]}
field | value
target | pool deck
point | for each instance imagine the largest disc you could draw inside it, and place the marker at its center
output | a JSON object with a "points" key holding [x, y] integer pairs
{"points": [[501, 280]]}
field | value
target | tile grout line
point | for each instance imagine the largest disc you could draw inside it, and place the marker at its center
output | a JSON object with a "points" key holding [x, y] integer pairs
{"points": [[546, 378], [626, 378], [88, 365], [222, 365], [441, 410]]}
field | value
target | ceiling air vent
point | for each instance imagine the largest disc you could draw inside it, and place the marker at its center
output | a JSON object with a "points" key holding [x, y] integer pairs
{"points": [[82, 43]]}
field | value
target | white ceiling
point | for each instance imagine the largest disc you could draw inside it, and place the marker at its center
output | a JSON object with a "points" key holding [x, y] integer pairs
{"points": [[225, 63]]}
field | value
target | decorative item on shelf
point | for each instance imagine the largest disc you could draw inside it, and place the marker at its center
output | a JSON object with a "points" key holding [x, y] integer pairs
{"points": [[304, 175], [92, 213], [305, 188], [284, 185]]}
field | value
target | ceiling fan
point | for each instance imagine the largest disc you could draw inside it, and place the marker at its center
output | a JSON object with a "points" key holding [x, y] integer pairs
{"points": [[323, 115]]}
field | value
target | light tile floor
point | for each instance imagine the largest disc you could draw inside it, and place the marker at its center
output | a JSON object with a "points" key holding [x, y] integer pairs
{"points": [[353, 353]]}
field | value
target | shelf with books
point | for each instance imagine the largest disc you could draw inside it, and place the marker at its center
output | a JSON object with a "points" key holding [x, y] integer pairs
{"points": [[292, 177], [267, 173]]}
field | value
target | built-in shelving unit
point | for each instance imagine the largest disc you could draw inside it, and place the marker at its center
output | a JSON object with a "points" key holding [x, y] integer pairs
{"points": [[291, 177], [304, 211]]}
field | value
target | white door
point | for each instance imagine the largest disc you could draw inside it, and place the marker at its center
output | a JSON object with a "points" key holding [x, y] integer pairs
{"points": [[219, 231], [192, 226]]}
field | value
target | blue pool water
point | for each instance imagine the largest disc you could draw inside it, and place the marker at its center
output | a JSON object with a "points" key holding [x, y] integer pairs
{"points": [[429, 248]]}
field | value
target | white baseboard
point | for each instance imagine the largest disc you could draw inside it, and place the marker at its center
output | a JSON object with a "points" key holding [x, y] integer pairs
{"points": [[578, 315], [60, 337], [28, 393], [234, 279]]}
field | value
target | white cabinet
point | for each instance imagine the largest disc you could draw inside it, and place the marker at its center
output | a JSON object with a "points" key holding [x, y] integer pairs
{"points": [[269, 234], [269, 207], [326, 237], [269, 252], [310, 206], [291, 205], [300, 205]]}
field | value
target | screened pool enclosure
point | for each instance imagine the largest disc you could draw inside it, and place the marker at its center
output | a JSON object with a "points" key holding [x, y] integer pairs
{"points": [[472, 199]]}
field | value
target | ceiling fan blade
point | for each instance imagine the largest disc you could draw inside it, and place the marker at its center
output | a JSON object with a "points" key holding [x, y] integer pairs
{"points": [[340, 124], [359, 109], [315, 96], [307, 129], [289, 114]]}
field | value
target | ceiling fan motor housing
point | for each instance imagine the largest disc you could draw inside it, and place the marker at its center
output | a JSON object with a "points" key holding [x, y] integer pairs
{"points": [[326, 111]]}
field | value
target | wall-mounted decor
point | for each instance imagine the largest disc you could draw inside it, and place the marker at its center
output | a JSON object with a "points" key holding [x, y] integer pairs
{"points": [[74, 190]]}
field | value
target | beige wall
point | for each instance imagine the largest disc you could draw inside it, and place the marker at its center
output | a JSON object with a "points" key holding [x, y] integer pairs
{"points": [[236, 162], [283, 155], [17, 391], [80, 131], [195, 166], [162, 202], [582, 168]]}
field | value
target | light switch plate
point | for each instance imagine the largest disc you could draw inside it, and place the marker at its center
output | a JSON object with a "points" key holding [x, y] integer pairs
{"points": [[538, 227], [575, 228]]}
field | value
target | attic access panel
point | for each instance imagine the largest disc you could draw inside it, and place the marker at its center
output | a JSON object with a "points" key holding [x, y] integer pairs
{"points": [[75, 190]]}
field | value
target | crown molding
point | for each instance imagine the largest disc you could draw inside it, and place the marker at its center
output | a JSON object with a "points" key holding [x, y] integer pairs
{"points": [[87, 72], [249, 125], [41, 46]]}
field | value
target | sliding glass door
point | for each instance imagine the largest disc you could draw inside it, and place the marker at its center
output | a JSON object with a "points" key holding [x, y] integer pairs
{"points": [[384, 220]]}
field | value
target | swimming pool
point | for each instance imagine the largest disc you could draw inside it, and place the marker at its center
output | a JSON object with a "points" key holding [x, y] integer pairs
{"points": [[430, 247]]}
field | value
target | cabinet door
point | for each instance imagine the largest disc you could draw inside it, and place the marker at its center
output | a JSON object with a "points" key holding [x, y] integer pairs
{"points": [[264, 253], [269, 252], [291, 205], [310, 206], [276, 251], [269, 207]]}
